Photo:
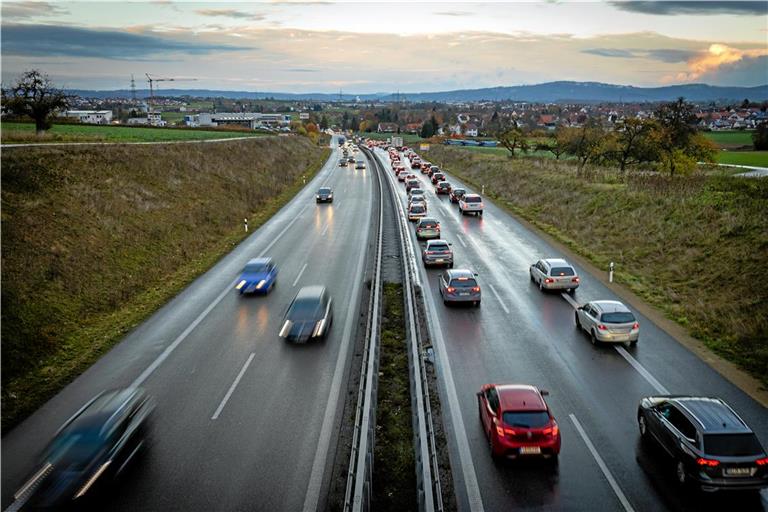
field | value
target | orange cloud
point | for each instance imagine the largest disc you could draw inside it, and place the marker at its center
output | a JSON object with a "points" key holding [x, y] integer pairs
{"points": [[717, 55]]}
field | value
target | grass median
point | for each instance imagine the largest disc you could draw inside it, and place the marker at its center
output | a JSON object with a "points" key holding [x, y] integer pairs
{"points": [[96, 239], [693, 246]]}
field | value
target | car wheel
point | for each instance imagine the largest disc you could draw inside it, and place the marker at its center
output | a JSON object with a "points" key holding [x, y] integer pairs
{"points": [[445, 302], [450, 265], [480, 213], [578, 323], [633, 343], [461, 211], [541, 285], [530, 274], [477, 303], [682, 478], [592, 337], [642, 425], [494, 457]]}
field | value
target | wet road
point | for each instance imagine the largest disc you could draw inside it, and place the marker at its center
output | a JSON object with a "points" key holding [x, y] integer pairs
{"points": [[521, 335], [244, 420]]}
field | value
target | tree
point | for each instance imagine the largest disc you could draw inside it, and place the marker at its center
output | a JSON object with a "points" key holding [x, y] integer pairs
{"points": [[324, 122], [631, 143], [559, 144], [512, 138], [676, 137], [35, 96], [760, 137], [585, 143], [427, 130]]}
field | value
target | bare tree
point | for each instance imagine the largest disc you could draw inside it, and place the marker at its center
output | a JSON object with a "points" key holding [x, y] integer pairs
{"points": [[513, 138], [35, 96]]}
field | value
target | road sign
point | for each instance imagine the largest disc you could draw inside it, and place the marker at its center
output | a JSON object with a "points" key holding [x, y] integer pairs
{"points": [[304, 115], [423, 147]]}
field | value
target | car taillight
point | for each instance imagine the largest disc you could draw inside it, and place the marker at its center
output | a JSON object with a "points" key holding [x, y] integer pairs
{"points": [[636, 325], [450, 289], [707, 462], [429, 252], [476, 289], [575, 280], [762, 462], [549, 280], [509, 431], [551, 431], [602, 327]]}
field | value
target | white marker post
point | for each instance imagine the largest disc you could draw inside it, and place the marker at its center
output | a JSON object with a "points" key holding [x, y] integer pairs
{"points": [[610, 273], [245, 223], [482, 191], [304, 180]]}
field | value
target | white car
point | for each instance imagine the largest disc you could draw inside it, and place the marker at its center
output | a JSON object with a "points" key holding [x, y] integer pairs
{"points": [[608, 321], [471, 203], [554, 274]]}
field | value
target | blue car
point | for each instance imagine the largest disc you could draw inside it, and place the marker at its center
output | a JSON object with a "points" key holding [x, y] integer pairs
{"points": [[259, 276]]}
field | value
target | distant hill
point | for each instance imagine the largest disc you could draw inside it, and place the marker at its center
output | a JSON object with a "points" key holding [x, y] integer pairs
{"points": [[551, 92]]}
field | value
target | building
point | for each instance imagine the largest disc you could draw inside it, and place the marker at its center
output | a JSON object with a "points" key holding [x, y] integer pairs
{"points": [[387, 128], [90, 116], [250, 120]]}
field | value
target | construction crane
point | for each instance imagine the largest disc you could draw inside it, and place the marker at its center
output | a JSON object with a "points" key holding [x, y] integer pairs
{"points": [[153, 80]]}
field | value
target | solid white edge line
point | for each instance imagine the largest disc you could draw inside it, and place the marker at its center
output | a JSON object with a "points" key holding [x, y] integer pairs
{"points": [[471, 485], [501, 301], [314, 487], [149, 370], [628, 357], [642, 371], [606, 472], [461, 241], [233, 386], [298, 276]]}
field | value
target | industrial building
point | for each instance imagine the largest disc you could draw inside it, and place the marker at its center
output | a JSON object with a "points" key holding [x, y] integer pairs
{"points": [[251, 120], [90, 116]]}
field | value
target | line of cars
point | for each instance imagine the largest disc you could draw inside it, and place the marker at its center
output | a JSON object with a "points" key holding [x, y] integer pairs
{"points": [[711, 447]]}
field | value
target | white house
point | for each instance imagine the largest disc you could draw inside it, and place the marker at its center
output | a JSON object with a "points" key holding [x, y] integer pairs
{"points": [[90, 116]]}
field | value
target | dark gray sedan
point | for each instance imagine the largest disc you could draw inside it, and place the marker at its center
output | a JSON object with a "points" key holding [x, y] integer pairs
{"points": [[437, 252], [309, 316], [459, 285], [324, 195]]}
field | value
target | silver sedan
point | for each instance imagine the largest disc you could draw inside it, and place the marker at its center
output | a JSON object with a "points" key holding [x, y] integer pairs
{"points": [[608, 321], [554, 274]]}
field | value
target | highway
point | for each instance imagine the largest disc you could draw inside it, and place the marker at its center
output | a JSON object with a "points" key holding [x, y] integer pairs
{"points": [[244, 420], [521, 335]]}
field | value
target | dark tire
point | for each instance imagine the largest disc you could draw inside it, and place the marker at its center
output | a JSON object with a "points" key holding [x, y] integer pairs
{"points": [[634, 343], [445, 302], [593, 338], [541, 286], [642, 425], [531, 276], [450, 265], [477, 304], [480, 213], [578, 323], [680, 475]]}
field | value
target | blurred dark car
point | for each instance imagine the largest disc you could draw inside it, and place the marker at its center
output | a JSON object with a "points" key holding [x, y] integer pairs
{"points": [[310, 315], [93, 447], [324, 195]]}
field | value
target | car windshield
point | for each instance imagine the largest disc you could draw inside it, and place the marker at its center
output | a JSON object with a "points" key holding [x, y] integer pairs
{"points": [[438, 247], [428, 225], [255, 267], [472, 199], [304, 310], [458, 191], [443, 184], [417, 208], [617, 317], [324, 191], [526, 419], [417, 192], [75, 448], [735, 445], [562, 271], [464, 282]]}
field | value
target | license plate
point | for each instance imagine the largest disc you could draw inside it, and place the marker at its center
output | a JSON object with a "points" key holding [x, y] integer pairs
{"points": [[738, 471], [464, 294], [530, 450], [439, 260]]}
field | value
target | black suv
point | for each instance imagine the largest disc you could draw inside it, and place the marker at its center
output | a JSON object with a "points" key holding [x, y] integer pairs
{"points": [[712, 446]]}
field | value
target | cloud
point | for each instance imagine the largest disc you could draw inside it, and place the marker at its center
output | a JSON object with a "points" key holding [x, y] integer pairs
{"points": [[231, 13], [672, 55], [18, 10], [302, 70], [454, 13], [749, 71], [718, 56], [702, 8], [49, 40], [610, 52]]}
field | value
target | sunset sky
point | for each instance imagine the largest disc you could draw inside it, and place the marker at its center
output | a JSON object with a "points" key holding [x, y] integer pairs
{"points": [[364, 47]]}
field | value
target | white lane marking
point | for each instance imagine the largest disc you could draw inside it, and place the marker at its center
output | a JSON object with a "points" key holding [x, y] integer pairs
{"points": [[149, 370], [571, 301], [642, 371], [325, 229], [471, 485], [233, 386], [299, 275], [501, 301], [314, 487], [606, 472], [628, 357], [461, 241]]}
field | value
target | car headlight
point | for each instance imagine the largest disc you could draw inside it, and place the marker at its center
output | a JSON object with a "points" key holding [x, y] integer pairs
{"points": [[261, 283], [92, 480], [317, 196], [240, 284], [330, 196], [319, 326], [286, 329]]}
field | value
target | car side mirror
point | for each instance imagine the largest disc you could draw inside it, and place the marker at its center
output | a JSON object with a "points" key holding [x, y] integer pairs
{"points": [[544, 392], [476, 274], [479, 393]]}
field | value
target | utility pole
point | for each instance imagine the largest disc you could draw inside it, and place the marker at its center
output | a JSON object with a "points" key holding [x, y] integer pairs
{"points": [[133, 89]]}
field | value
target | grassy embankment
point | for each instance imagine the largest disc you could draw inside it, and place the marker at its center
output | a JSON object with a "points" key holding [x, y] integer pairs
{"points": [[24, 133], [97, 238], [692, 246], [394, 474]]}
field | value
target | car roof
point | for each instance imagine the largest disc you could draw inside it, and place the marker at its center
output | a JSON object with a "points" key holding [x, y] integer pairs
{"points": [[471, 195], [437, 241], [610, 306], [323, 188], [556, 262], [310, 292], [429, 219], [713, 414], [259, 261], [520, 397], [460, 272], [104, 410]]}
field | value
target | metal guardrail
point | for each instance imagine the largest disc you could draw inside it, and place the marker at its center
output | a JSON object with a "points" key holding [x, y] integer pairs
{"points": [[427, 470], [357, 496]]}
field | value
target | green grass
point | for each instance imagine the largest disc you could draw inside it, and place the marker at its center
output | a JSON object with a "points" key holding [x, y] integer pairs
{"points": [[394, 474], [112, 233], [690, 246], [731, 138], [752, 158], [25, 133]]}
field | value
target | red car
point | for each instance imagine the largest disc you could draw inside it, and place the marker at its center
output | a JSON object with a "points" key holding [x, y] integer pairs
{"points": [[438, 176], [442, 187], [518, 422], [415, 164]]}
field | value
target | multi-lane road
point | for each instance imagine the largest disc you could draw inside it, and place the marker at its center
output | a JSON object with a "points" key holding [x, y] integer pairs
{"points": [[244, 420], [521, 335]]}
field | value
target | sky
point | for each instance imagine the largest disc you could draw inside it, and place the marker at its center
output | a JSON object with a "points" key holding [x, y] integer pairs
{"points": [[366, 47]]}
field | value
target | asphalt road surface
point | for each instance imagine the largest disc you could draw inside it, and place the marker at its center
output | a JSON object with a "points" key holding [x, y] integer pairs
{"points": [[244, 420], [521, 335]]}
